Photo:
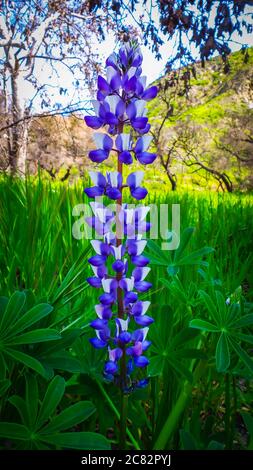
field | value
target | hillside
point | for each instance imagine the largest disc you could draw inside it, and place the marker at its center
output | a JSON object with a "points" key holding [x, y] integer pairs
{"points": [[213, 122]]}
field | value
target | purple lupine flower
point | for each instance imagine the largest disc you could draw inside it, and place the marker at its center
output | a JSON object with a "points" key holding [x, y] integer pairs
{"points": [[122, 321]]}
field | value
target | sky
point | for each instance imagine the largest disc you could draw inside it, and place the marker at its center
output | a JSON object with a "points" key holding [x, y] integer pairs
{"points": [[152, 68]]}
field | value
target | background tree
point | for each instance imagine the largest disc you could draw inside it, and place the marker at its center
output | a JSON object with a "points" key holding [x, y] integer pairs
{"points": [[39, 33]]}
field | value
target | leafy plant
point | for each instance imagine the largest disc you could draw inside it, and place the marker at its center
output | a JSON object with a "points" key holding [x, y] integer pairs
{"points": [[226, 321], [41, 428]]}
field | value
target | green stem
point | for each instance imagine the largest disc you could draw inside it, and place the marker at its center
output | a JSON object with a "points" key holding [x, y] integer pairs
{"points": [[123, 420], [173, 418], [117, 414]]}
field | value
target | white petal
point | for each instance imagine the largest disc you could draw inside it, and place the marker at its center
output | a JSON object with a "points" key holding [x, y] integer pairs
{"points": [[114, 178], [138, 177], [145, 306], [129, 283], [140, 106], [95, 270], [101, 214], [117, 251], [98, 138], [125, 138], [123, 324], [106, 283], [143, 81], [113, 101], [145, 272], [146, 139], [145, 332], [99, 309], [142, 212], [110, 72], [141, 246], [131, 72], [97, 246], [94, 177], [96, 106], [96, 205], [129, 215]]}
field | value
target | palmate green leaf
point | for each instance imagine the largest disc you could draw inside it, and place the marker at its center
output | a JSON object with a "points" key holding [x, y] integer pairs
{"points": [[62, 361], [191, 353], [242, 337], [245, 358], [3, 304], [69, 417], [246, 320], [222, 307], [184, 241], [12, 310], [78, 440], [2, 367], [32, 397], [29, 318], [52, 398], [210, 306], [180, 368], [222, 354], [36, 336], [156, 365], [21, 407], [4, 385], [194, 257], [28, 361], [14, 431], [182, 337], [203, 325]]}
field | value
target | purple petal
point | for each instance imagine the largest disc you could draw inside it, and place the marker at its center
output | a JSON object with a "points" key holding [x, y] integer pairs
{"points": [[119, 143], [145, 129], [139, 122], [113, 193], [100, 96], [94, 191], [137, 309], [107, 143], [143, 320], [118, 266], [125, 337], [130, 297], [106, 299], [141, 361], [93, 121], [139, 193], [120, 108], [150, 93], [103, 85], [97, 343], [97, 260], [142, 383], [115, 82], [142, 286], [126, 157], [110, 367], [98, 324], [130, 86], [145, 157], [98, 156], [131, 110], [111, 119], [94, 281], [140, 260]]}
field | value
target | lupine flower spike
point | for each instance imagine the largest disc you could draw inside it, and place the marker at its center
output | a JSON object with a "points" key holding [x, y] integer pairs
{"points": [[118, 264]]}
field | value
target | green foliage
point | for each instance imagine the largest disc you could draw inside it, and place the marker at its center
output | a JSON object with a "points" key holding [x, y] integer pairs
{"points": [[228, 321], [52, 392], [41, 428]]}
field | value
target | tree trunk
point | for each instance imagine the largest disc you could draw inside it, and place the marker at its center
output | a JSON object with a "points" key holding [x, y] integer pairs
{"points": [[19, 133]]}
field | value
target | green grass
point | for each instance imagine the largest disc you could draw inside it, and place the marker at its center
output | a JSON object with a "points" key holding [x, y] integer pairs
{"points": [[39, 253]]}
